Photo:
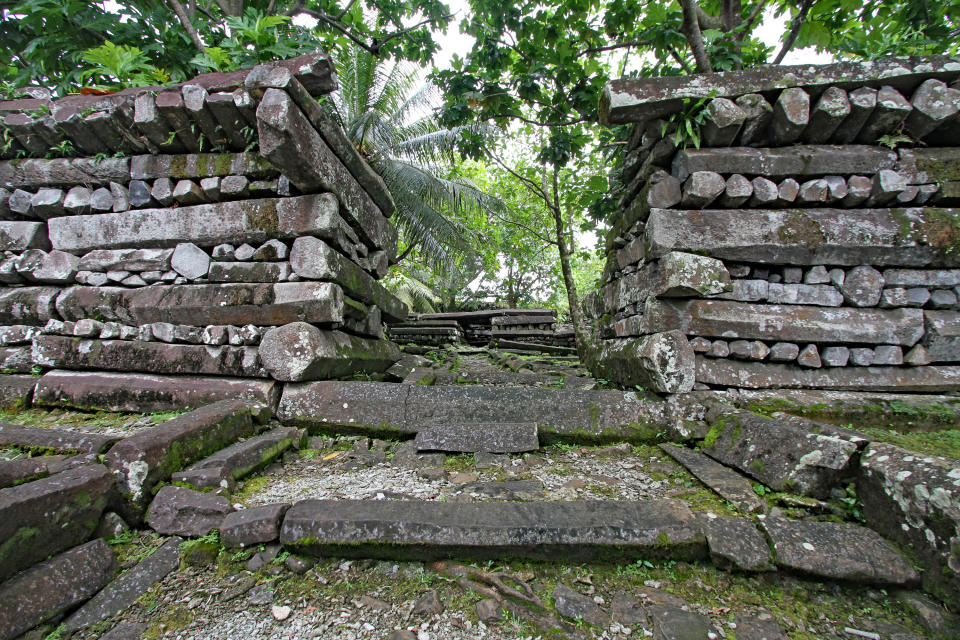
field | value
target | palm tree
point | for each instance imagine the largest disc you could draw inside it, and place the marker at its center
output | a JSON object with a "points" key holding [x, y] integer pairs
{"points": [[388, 113]]}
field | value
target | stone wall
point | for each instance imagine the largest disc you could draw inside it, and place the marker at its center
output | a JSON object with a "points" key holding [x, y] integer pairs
{"points": [[533, 326], [793, 249], [221, 227]]}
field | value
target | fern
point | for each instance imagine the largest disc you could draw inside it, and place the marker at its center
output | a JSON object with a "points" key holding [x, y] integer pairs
{"points": [[128, 66]]}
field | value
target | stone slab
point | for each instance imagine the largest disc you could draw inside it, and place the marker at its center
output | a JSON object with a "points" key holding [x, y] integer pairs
{"points": [[300, 351], [212, 304], [837, 552], [514, 437], [913, 499], [406, 409], [786, 454], [727, 483], [762, 375], [785, 162], [58, 440], [20, 235], [735, 543], [641, 99], [48, 589], [16, 392], [256, 525], [910, 237], [180, 511], [154, 357], [127, 588], [662, 362], [423, 530], [63, 172], [942, 338], [50, 515], [794, 323], [146, 393], [251, 221], [200, 165], [239, 459], [32, 306], [142, 461]]}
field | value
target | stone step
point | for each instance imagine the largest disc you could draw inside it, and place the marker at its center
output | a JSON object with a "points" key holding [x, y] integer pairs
{"points": [[427, 530], [238, 460], [145, 393], [406, 409], [514, 437], [729, 484]]}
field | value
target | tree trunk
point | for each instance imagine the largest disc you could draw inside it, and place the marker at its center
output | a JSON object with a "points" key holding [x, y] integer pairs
{"points": [[691, 29], [563, 247]]}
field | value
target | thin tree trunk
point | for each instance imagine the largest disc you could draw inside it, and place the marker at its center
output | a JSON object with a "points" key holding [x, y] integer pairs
{"points": [[691, 28], [185, 21], [795, 25], [563, 247]]}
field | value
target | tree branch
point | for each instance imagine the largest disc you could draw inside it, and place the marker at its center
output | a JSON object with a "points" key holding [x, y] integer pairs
{"points": [[691, 28], [795, 26], [683, 63], [405, 253], [619, 45], [565, 123], [187, 25], [530, 184]]}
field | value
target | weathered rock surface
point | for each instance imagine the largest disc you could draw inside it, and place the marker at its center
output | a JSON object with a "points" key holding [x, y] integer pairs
{"points": [[300, 351], [180, 511], [576, 606], [678, 623], [837, 551], [239, 459], [942, 338], [59, 440], [470, 438], [28, 305], [141, 461], [662, 362], [721, 318], [124, 591], [914, 499], [736, 543], [49, 515], [762, 375], [253, 221], [882, 237], [312, 259], [409, 408], [787, 455], [16, 392], [785, 162], [53, 587], [661, 528], [729, 484], [136, 355], [202, 305], [255, 525], [38, 173]]}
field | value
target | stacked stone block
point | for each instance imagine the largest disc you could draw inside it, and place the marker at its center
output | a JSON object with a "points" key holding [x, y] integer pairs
{"points": [[199, 220], [795, 248]]}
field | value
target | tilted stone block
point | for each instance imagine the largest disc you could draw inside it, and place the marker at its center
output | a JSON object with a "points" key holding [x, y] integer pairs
{"points": [[50, 515], [934, 103], [255, 525], [662, 362], [221, 469], [724, 120], [791, 114], [888, 116], [863, 101], [828, 113], [16, 235]]}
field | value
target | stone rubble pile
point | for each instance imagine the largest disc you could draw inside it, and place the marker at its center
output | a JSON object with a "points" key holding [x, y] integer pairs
{"points": [[795, 248], [233, 231]]}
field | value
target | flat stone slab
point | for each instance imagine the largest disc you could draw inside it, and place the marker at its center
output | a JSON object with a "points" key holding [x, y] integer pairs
{"points": [[640, 99], [727, 483], [763, 375], [18, 471], [142, 461], [423, 530], [837, 551], [137, 355], [58, 440], [53, 587], [676, 623], [256, 525], [407, 409], [127, 588], [515, 437], [846, 237], [912, 499], [184, 512], [735, 543], [239, 459], [786, 454], [50, 515], [146, 393]]}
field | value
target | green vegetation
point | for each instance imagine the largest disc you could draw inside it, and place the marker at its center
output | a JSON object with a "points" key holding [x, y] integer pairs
{"points": [[944, 443]]}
